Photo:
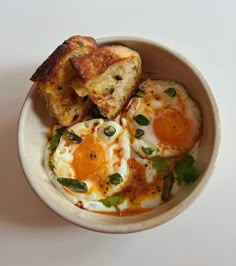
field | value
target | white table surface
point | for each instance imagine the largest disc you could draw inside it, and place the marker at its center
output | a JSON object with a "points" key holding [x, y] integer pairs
{"points": [[204, 31]]}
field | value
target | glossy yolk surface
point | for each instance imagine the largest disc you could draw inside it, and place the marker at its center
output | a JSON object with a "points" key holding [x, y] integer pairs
{"points": [[89, 158], [172, 127]]}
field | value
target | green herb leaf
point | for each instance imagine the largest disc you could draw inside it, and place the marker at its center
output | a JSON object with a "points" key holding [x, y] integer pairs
{"points": [[160, 164], [171, 92], [61, 130], [139, 93], [115, 179], [141, 120], [185, 170], [73, 184], [72, 137], [113, 200], [147, 150], [109, 131], [54, 141], [139, 133], [168, 184]]}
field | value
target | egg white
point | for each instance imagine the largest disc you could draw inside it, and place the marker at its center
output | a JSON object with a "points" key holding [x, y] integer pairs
{"points": [[124, 141], [155, 99], [62, 158]]}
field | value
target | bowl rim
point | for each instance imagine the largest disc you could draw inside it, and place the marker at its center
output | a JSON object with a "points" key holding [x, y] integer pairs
{"points": [[178, 208]]}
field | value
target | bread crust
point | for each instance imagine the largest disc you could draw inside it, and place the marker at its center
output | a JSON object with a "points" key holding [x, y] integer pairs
{"points": [[53, 80], [48, 70], [95, 63], [110, 76]]}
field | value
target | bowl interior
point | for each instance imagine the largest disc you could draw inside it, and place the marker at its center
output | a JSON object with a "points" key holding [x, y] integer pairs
{"points": [[160, 63]]}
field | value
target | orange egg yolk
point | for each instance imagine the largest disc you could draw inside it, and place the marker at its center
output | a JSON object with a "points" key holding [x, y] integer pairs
{"points": [[172, 127], [89, 159]]}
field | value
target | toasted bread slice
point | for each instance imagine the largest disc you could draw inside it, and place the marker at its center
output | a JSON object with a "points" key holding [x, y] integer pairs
{"points": [[53, 79], [109, 77]]}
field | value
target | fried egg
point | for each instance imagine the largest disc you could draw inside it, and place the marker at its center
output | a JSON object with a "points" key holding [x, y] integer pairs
{"points": [[101, 154], [95, 159], [162, 119]]}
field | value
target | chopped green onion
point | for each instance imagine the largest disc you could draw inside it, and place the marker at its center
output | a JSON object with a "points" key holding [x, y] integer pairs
{"points": [[109, 131], [141, 120], [147, 150], [61, 130], [171, 92], [54, 141], [113, 200], [115, 179], [72, 137], [139, 133], [73, 184]]}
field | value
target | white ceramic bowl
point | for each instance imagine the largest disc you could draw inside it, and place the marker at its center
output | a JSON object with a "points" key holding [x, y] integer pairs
{"points": [[166, 64]]}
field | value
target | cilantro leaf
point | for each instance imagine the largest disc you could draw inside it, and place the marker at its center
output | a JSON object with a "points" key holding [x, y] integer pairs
{"points": [[185, 170], [160, 164]]}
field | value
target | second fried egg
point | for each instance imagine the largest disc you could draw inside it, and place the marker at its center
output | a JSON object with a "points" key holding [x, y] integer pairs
{"points": [[162, 119]]}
